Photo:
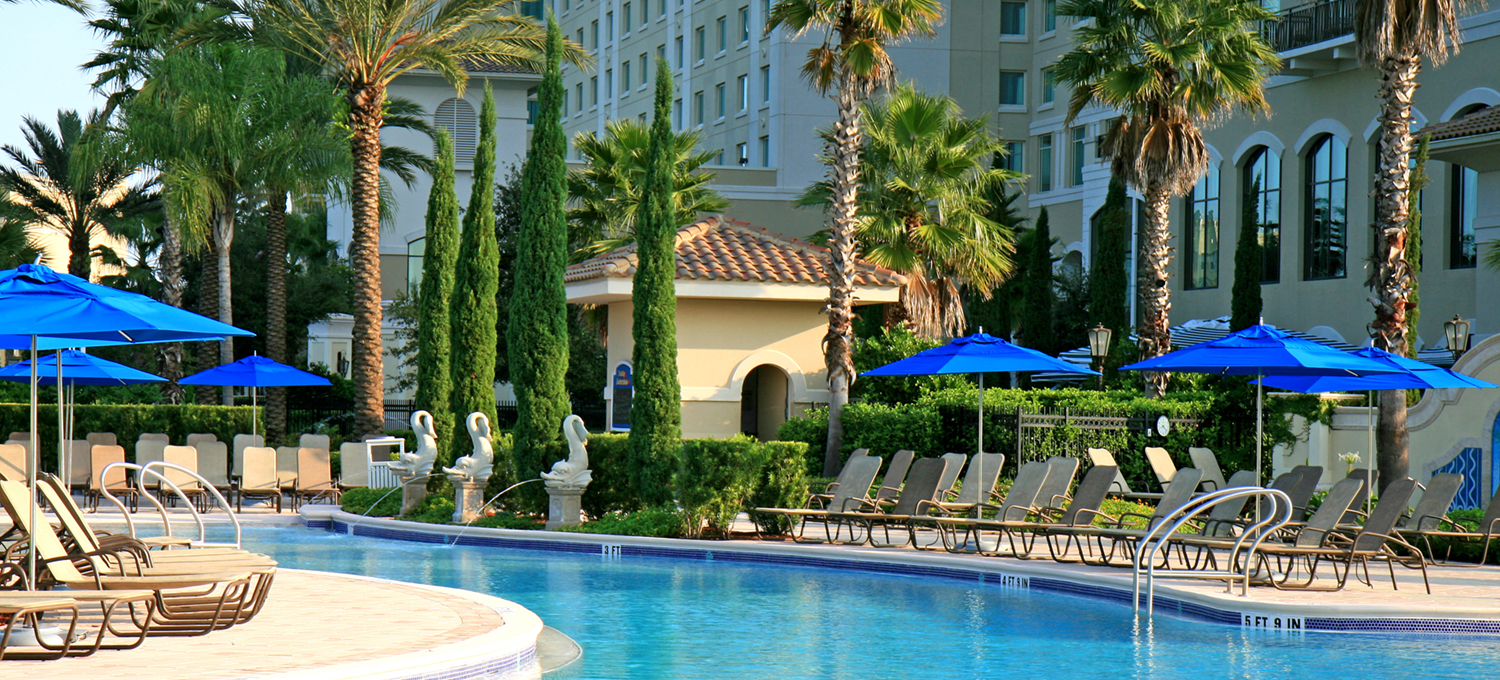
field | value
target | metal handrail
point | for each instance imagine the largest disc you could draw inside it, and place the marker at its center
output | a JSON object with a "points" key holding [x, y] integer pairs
{"points": [[203, 482], [125, 512], [1279, 515]]}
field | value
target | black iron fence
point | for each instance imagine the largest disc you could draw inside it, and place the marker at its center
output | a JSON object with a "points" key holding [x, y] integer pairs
{"points": [[1309, 24]]}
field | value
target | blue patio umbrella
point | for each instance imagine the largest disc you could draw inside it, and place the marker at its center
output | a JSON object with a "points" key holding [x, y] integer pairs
{"points": [[255, 371], [42, 307], [1262, 350], [979, 353], [78, 368], [1417, 375]]}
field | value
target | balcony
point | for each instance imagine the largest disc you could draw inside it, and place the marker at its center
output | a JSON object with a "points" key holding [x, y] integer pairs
{"points": [[1314, 38]]}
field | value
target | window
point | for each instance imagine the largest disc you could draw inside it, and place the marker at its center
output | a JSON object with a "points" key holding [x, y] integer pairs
{"points": [[457, 117], [700, 43], [1049, 17], [609, 81], [719, 96], [745, 24], [742, 152], [765, 151], [1044, 176], [723, 26], [661, 52], [1263, 195], [765, 83], [719, 157], [677, 48], [625, 77], [625, 17], [567, 4], [677, 114], [661, 8], [578, 90], [415, 251], [609, 26], [594, 91], [1014, 159], [1012, 18], [1104, 130], [744, 88], [1462, 254], [534, 9], [565, 103], [1012, 88], [594, 28], [1076, 146], [1048, 93], [698, 107], [645, 12], [580, 37], [1327, 196], [1202, 233], [645, 69]]}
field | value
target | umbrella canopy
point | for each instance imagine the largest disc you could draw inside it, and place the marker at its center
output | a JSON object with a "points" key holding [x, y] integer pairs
{"points": [[1263, 350], [978, 353], [1415, 375], [78, 369], [255, 371], [37, 301]]}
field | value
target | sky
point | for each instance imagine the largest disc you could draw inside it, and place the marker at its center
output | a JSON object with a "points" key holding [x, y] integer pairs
{"points": [[42, 45]]}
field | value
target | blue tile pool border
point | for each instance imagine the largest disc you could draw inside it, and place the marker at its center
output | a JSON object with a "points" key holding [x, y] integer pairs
{"points": [[1166, 604]]}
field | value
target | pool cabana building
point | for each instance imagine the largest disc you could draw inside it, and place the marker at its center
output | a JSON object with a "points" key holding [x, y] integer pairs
{"points": [[750, 324]]}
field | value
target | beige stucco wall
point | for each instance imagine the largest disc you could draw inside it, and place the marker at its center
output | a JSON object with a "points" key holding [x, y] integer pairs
{"points": [[720, 341]]}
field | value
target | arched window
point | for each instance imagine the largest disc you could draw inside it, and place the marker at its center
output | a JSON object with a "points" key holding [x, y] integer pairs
{"points": [[1202, 232], [457, 117], [1462, 253], [1262, 183], [1326, 216]]}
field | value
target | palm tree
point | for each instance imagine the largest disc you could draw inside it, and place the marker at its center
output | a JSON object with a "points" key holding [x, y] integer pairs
{"points": [[1394, 36], [1169, 68], [16, 247], [851, 63], [606, 191], [924, 205], [139, 32], [363, 46], [71, 181]]}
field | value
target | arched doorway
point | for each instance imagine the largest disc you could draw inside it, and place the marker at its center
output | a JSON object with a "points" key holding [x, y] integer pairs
{"points": [[763, 401]]}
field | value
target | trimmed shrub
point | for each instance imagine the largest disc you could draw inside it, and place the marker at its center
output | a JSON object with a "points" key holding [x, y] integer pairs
{"points": [[662, 522], [358, 502], [783, 483], [716, 477], [612, 489], [434, 509]]}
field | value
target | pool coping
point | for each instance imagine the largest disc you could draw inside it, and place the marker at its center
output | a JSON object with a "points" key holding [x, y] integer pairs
{"points": [[1220, 608]]}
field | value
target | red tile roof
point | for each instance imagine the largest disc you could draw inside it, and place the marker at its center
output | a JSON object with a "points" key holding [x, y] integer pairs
{"points": [[723, 249], [1480, 122]]}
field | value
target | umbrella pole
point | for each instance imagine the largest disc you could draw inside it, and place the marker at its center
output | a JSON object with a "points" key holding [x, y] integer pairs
{"points": [[981, 415], [1259, 441], [36, 443], [1370, 462], [254, 412], [62, 429]]}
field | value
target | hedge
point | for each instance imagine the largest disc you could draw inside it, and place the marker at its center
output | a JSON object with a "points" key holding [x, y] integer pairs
{"points": [[128, 422]]}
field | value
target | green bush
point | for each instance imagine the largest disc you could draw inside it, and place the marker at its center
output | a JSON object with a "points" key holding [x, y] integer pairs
{"points": [[894, 344], [611, 490], [434, 509], [811, 428], [783, 483], [652, 522], [714, 480], [506, 520], [358, 502]]}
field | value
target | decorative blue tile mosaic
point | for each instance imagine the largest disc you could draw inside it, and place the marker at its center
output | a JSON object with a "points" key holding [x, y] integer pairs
{"points": [[1467, 463]]}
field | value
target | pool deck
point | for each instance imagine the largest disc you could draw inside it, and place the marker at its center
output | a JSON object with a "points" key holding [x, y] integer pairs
{"points": [[1464, 601]]}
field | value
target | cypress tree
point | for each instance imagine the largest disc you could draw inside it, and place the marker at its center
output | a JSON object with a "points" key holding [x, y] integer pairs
{"points": [[656, 410], [435, 294], [537, 338], [473, 311], [1038, 296], [1109, 282], [1244, 298], [1419, 180]]}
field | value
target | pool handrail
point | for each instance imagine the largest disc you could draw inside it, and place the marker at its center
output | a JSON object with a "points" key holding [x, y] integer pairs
{"points": [[141, 472], [197, 518], [1256, 532], [125, 512]]}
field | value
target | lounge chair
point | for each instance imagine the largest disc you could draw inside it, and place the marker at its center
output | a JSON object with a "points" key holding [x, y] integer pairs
{"points": [[1017, 505], [1453, 532], [188, 601], [1054, 492], [314, 478], [853, 485], [1162, 464], [154, 437], [1217, 532], [79, 463], [354, 466], [213, 464], [1119, 533], [115, 481], [921, 490], [197, 438], [20, 606], [833, 486], [241, 441], [102, 439], [1082, 510], [1339, 549], [149, 449], [191, 488], [1303, 491], [259, 480], [21, 439], [1432, 508], [13, 461], [949, 483], [286, 467], [1357, 510], [314, 441], [1102, 457], [979, 483], [1206, 461], [895, 474]]}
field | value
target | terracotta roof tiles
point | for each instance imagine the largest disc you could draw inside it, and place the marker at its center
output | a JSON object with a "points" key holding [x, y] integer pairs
{"points": [[1480, 122]]}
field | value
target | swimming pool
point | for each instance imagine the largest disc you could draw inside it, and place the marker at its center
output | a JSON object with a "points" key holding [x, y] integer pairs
{"points": [[641, 617]]}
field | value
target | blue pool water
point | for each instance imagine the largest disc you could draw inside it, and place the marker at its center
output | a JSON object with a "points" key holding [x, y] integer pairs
{"points": [[639, 617]]}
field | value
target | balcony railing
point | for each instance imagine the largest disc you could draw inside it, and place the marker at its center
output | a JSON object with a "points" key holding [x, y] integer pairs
{"points": [[1309, 24]]}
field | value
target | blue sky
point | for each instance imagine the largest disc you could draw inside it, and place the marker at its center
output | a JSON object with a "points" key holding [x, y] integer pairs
{"points": [[42, 46]]}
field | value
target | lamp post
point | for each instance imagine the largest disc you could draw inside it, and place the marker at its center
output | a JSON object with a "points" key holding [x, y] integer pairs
{"points": [[1099, 348], [1457, 331]]}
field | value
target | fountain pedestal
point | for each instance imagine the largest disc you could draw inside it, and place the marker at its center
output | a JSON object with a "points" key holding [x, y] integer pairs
{"points": [[412, 492], [564, 507], [468, 501]]}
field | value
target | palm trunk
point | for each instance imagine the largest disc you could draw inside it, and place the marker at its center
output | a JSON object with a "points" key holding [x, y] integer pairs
{"points": [[1398, 83], [170, 268], [365, 116], [208, 305], [276, 309], [838, 344], [1155, 330], [79, 263], [223, 233]]}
